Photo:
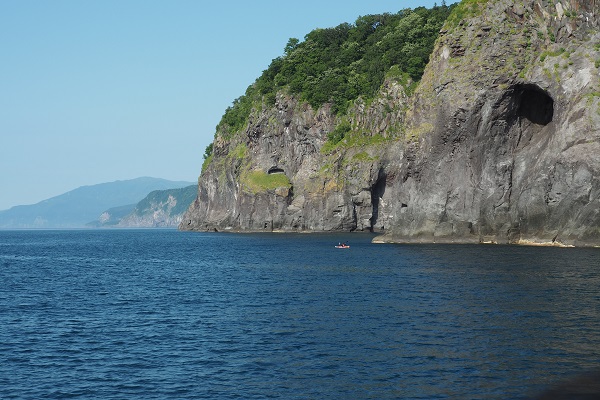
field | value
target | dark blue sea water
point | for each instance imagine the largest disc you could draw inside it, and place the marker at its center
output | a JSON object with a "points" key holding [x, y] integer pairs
{"points": [[161, 314]]}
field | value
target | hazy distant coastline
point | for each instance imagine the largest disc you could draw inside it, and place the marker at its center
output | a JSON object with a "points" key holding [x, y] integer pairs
{"points": [[78, 207]]}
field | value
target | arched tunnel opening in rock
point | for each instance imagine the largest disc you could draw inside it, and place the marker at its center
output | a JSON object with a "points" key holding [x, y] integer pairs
{"points": [[534, 104], [377, 192], [275, 170]]}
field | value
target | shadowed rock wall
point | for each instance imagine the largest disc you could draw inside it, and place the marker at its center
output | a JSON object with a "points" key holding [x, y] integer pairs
{"points": [[513, 153], [499, 143]]}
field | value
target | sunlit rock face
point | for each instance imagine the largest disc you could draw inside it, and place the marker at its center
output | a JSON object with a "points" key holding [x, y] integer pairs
{"points": [[513, 154], [499, 143]]}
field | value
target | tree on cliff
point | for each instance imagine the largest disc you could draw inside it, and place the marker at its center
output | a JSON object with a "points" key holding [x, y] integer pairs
{"points": [[338, 65]]}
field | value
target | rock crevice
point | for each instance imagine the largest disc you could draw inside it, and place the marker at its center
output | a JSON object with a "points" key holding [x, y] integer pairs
{"points": [[499, 143]]}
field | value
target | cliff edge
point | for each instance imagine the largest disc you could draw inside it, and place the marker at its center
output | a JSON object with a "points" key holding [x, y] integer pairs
{"points": [[499, 142]]}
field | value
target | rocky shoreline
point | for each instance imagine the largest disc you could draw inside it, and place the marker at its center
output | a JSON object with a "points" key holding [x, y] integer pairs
{"points": [[499, 143]]}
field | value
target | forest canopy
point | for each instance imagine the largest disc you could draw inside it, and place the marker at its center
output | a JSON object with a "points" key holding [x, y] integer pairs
{"points": [[338, 65]]}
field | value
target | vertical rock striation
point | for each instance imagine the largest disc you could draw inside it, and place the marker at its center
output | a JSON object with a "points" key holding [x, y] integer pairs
{"points": [[500, 143], [512, 156]]}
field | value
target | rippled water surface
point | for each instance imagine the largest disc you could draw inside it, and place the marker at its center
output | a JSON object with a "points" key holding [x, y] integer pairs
{"points": [[142, 314]]}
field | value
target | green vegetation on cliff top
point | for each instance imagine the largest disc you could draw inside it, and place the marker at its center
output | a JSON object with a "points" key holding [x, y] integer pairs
{"points": [[464, 9], [338, 65], [182, 196]]}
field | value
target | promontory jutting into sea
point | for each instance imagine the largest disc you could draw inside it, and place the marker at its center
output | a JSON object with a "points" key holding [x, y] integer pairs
{"points": [[477, 122]]}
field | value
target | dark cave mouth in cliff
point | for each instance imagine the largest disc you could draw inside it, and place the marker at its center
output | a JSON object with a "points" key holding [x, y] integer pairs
{"points": [[275, 170], [534, 104]]}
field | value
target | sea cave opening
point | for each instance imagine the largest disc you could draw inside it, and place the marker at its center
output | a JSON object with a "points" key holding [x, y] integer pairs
{"points": [[534, 104]]}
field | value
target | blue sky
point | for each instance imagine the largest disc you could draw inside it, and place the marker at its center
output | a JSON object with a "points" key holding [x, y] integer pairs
{"points": [[98, 91]]}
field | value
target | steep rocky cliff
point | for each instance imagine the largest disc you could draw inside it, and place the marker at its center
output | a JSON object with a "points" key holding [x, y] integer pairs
{"points": [[159, 209], [500, 142]]}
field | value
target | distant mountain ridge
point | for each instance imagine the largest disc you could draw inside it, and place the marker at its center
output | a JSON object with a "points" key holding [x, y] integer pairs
{"points": [[159, 209], [76, 208]]}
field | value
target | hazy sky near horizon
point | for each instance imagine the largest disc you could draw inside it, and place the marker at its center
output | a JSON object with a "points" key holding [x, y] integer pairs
{"points": [[99, 91]]}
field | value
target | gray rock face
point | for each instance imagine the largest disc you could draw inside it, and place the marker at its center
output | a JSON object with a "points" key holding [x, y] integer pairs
{"points": [[513, 153], [159, 209], [159, 214], [499, 143]]}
